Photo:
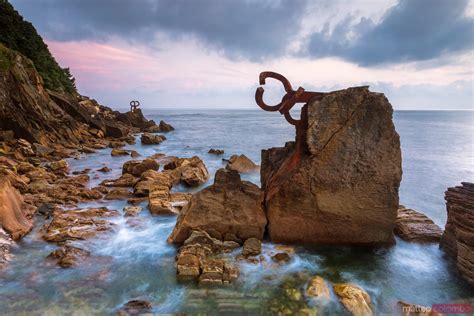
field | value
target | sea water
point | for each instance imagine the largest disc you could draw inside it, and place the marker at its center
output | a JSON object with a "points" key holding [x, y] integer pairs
{"points": [[138, 263]]}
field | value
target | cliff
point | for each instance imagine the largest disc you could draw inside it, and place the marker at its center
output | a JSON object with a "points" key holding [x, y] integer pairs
{"points": [[458, 236]]}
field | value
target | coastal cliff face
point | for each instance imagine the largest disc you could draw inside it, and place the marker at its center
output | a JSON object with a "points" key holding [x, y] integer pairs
{"points": [[458, 236], [341, 185]]}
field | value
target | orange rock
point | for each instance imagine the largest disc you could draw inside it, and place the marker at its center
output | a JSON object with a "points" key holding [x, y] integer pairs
{"points": [[12, 216]]}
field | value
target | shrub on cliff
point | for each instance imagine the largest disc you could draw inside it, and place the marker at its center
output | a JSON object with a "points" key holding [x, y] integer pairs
{"points": [[21, 36]]}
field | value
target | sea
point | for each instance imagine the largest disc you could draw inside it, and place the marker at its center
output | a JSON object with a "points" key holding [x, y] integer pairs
{"points": [[137, 262]]}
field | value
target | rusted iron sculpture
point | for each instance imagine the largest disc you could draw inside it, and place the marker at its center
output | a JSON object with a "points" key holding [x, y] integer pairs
{"points": [[288, 101], [134, 105]]}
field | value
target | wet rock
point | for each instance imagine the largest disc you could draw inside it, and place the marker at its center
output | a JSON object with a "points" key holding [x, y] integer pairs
{"points": [[5, 245], [338, 184], [213, 151], [199, 259], [252, 247], [68, 256], [134, 154], [228, 206], [281, 257], [77, 224], [458, 236], [241, 163], [118, 194], [119, 152], [165, 127], [136, 200], [159, 203], [104, 169], [126, 180], [137, 167], [317, 288], [12, 212], [151, 139], [415, 226], [137, 307], [354, 299], [87, 150], [132, 210]]}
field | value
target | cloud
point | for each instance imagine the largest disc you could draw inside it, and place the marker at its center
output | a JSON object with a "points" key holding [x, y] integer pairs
{"points": [[250, 28], [412, 30]]}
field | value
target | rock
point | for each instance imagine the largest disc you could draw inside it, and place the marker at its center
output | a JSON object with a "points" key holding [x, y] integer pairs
{"points": [[415, 226], [252, 247], [119, 152], [68, 256], [41, 150], [134, 154], [213, 151], [126, 180], [317, 288], [87, 150], [228, 206], [241, 164], [12, 213], [354, 298], [458, 237], [281, 257], [5, 245], [77, 224], [165, 127], [137, 307], [118, 194], [159, 205], [60, 165], [117, 144], [199, 258], [137, 167], [132, 210], [191, 171], [104, 169], [151, 139], [338, 183]]}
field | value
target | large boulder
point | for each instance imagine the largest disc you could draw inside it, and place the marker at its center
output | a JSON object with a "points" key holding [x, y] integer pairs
{"points": [[229, 207], [241, 163], [458, 236], [191, 171], [12, 217], [136, 167], [151, 139], [338, 183]]}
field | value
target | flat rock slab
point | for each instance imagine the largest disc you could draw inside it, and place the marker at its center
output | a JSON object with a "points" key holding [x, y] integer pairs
{"points": [[415, 226]]}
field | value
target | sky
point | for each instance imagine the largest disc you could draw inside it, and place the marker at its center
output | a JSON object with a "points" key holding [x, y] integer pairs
{"points": [[209, 53]]}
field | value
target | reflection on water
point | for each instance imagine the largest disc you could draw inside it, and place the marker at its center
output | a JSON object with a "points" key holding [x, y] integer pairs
{"points": [[135, 262]]}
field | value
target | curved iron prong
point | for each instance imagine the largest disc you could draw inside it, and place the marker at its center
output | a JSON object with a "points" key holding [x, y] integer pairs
{"points": [[262, 104], [270, 74]]}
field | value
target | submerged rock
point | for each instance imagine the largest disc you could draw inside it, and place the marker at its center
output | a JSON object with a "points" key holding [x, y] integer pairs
{"points": [[137, 307], [354, 298], [132, 210], [241, 163], [229, 206], [77, 224], [68, 256], [317, 288], [458, 236], [213, 151], [338, 184], [415, 226], [12, 213]]}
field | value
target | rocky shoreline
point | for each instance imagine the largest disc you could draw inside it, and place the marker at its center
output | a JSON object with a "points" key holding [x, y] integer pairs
{"points": [[339, 187]]}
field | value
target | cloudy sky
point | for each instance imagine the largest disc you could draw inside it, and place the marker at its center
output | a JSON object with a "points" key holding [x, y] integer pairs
{"points": [[208, 53]]}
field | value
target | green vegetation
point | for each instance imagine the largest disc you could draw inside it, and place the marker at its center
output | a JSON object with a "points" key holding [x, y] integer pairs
{"points": [[20, 35]]}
